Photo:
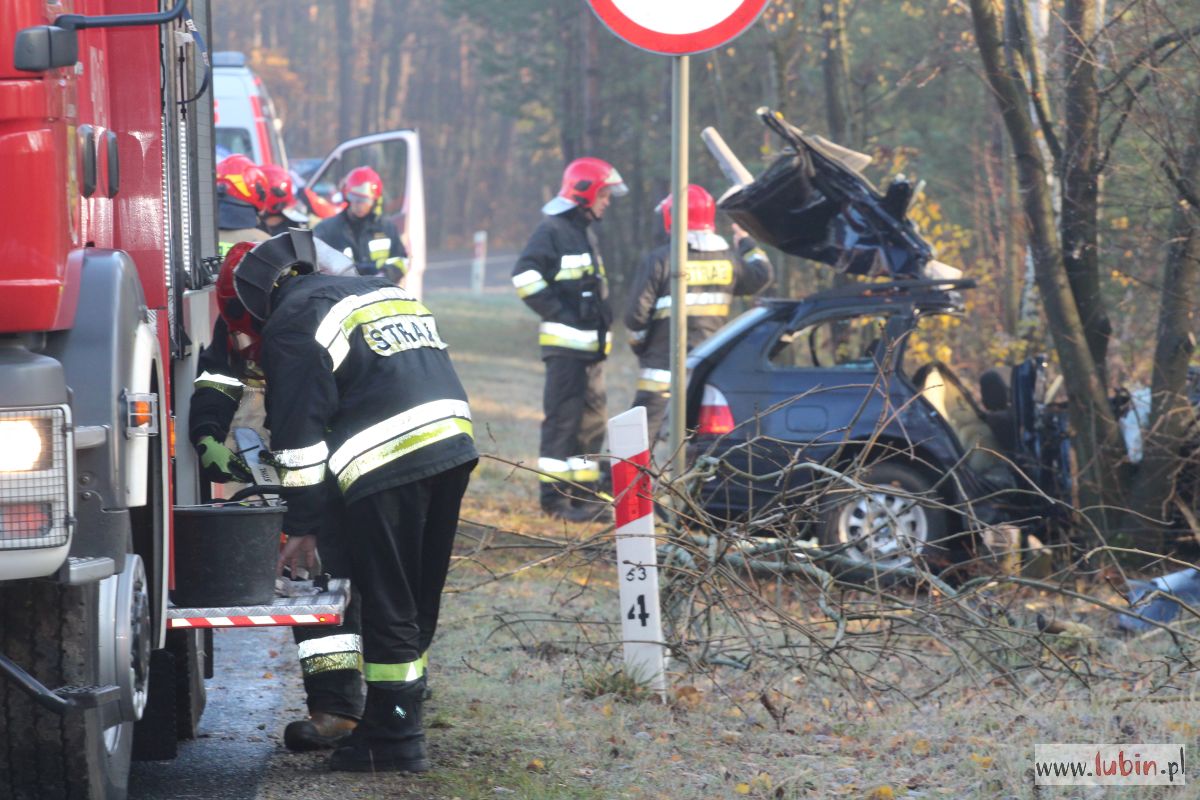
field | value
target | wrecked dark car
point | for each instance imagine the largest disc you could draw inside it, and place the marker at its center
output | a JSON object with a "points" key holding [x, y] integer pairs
{"points": [[814, 418]]}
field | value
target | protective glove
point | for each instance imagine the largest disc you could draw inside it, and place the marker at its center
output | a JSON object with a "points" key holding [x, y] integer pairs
{"points": [[219, 464]]}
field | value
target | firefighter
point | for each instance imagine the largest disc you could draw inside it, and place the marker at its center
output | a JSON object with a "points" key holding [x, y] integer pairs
{"points": [[360, 230], [365, 409], [228, 395], [560, 275], [280, 198], [715, 275], [241, 197]]}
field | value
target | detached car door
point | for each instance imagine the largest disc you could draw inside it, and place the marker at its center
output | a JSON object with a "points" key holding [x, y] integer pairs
{"points": [[396, 156]]}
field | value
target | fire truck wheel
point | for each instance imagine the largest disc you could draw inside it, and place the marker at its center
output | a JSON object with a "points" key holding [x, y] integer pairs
{"points": [[53, 631]]}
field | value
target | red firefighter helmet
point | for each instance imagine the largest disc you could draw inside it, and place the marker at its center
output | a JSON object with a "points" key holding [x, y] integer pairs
{"points": [[244, 333], [242, 180], [582, 181], [701, 210], [362, 183], [280, 192]]}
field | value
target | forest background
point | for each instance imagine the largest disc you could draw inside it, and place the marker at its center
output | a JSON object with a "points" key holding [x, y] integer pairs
{"points": [[1057, 140]]}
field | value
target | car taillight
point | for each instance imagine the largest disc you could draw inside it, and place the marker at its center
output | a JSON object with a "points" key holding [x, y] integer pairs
{"points": [[35, 477], [715, 416]]}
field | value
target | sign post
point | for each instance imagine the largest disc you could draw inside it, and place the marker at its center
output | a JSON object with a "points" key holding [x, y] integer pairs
{"points": [[678, 28], [637, 554], [479, 263]]}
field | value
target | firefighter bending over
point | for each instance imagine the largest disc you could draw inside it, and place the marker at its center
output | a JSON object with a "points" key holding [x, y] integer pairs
{"points": [[365, 409], [715, 275], [560, 275], [229, 394], [362, 232]]}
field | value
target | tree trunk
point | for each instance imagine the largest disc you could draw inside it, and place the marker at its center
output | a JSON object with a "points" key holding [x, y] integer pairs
{"points": [[835, 70], [590, 53], [1081, 179], [1172, 418], [346, 65], [1096, 437]]}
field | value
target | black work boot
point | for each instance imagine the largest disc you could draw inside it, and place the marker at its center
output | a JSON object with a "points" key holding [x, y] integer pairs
{"points": [[391, 736], [321, 731]]}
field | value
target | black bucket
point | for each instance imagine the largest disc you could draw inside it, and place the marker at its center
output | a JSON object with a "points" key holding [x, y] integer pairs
{"points": [[225, 554]]}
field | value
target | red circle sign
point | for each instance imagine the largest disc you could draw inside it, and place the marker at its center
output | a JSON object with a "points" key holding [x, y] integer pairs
{"points": [[678, 27]]}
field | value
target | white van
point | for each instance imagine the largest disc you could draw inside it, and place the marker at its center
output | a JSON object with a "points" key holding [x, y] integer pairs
{"points": [[245, 116]]}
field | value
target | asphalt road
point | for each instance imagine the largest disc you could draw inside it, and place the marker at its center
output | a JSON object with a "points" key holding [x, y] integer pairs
{"points": [[251, 698]]}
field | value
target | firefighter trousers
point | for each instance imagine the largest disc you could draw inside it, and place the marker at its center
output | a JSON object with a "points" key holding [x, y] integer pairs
{"points": [[575, 415], [400, 542], [331, 657]]}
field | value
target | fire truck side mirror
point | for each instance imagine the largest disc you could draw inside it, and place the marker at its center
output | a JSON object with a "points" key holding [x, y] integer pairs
{"points": [[45, 47]]}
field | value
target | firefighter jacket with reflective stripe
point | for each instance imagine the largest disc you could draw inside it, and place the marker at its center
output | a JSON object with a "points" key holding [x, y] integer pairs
{"points": [[560, 275], [359, 384], [372, 242], [715, 275], [222, 377]]}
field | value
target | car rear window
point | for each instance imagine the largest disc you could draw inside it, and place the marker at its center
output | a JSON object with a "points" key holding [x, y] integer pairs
{"points": [[841, 342], [732, 330]]}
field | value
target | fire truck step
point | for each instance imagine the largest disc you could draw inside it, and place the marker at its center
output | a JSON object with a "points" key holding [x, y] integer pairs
{"points": [[88, 696], [325, 608]]}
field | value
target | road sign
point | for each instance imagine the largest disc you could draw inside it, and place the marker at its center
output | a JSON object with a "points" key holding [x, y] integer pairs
{"points": [[678, 27]]}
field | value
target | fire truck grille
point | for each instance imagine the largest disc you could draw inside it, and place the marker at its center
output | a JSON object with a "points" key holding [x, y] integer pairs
{"points": [[34, 471]]}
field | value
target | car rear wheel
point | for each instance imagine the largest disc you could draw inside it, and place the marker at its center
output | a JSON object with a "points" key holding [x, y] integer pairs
{"points": [[888, 522]]}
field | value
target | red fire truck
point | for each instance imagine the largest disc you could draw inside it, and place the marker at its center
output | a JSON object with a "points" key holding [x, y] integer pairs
{"points": [[107, 246]]}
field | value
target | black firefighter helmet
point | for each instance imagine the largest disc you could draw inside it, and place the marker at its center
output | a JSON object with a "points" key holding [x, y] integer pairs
{"points": [[261, 270]]}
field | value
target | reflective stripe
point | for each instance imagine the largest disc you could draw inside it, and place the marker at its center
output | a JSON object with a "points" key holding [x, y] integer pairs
{"points": [[302, 456], [654, 380], [302, 476], [574, 267], [230, 387], [348, 313], [529, 282], [556, 334], [330, 662], [330, 653], [379, 245], [301, 466], [338, 643], [697, 311], [637, 337], [583, 470], [394, 673], [397, 436], [554, 470], [757, 254], [697, 299]]}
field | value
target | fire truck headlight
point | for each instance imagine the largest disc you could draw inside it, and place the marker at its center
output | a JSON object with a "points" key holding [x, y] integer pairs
{"points": [[20, 445]]}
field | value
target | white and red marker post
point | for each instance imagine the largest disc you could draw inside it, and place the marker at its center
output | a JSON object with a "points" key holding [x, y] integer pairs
{"points": [[637, 555]]}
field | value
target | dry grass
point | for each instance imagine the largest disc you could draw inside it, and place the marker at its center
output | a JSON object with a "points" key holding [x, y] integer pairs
{"points": [[530, 640]]}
